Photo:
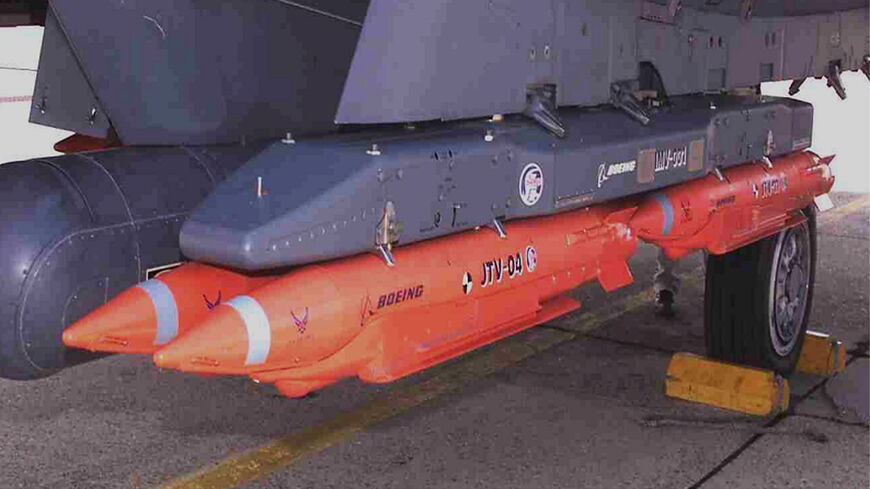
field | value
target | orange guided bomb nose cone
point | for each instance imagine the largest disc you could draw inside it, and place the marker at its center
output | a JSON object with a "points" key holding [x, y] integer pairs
{"points": [[127, 324], [234, 338], [151, 314]]}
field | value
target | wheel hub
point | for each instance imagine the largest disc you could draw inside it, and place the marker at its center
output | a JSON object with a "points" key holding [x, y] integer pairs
{"points": [[790, 287]]}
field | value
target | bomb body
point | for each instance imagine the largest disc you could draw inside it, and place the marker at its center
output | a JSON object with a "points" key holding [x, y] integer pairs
{"points": [[749, 202], [358, 317]]}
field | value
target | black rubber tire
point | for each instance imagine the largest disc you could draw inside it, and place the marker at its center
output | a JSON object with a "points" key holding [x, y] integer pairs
{"points": [[737, 305]]}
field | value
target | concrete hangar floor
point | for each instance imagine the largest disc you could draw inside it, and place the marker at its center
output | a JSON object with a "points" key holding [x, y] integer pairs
{"points": [[566, 404]]}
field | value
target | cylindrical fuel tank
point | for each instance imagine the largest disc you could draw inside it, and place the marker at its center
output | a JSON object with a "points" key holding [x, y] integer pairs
{"points": [[76, 230]]}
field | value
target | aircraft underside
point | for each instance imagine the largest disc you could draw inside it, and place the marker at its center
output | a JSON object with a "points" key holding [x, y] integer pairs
{"points": [[306, 191]]}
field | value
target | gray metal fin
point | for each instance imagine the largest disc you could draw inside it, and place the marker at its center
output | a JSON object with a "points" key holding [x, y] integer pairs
{"points": [[834, 80], [865, 66], [63, 96], [622, 97], [541, 106], [795, 86], [745, 10]]}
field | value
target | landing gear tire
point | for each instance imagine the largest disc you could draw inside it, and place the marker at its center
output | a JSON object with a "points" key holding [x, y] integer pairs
{"points": [[758, 298]]}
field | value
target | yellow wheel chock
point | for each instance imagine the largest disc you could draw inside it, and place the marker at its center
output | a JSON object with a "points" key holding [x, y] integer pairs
{"points": [[736, 387], [822, 355], [748, 389]]}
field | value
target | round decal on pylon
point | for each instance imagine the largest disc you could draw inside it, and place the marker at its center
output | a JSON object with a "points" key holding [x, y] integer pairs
{"points": [[531, 184], [531, 258], [466, 283]]}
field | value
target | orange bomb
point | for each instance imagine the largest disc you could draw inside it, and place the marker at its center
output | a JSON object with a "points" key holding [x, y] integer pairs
{"points": [[359, 317], [154, 312], [750, 202]]}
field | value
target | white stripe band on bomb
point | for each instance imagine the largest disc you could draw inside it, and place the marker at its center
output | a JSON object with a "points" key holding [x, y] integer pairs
{"points": [[165, 308], [257, 324]]}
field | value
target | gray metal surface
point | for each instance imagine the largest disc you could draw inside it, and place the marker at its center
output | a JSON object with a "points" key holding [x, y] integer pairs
{"points": [[63, 96], [767, 8], [183, 72], [447, 60], [324, 198], [84, 228], [188, 72], [437, 59], [568, 417]]}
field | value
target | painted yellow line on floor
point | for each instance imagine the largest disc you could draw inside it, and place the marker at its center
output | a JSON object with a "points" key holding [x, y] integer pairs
{"points": [[261, 461], [838, 213], [280, 454]]}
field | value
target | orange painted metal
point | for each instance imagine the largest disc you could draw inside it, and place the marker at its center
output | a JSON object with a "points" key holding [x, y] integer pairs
{"points": [[358, 317], [752, 202], [129, 322], [389, 354]]}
